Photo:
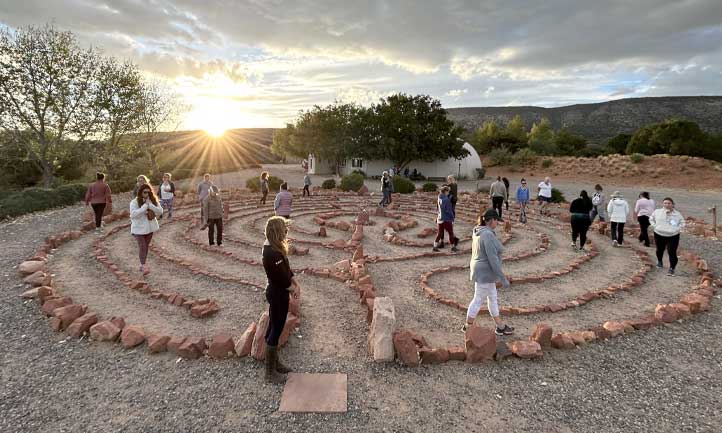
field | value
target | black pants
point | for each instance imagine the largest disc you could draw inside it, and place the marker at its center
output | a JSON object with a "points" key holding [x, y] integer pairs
{"points": [[263, 197], [453, 206], [643, 226], [580, 226], [618, 232], [306, 192], [213, 224], [98, 208], [670, 243], [277, 312], [498, 204]]}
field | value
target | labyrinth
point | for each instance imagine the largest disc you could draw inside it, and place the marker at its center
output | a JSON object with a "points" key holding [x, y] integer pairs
{"points": [[201, 301]]}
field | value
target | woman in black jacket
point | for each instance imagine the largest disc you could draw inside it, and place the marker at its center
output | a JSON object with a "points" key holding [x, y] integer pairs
{"points": [[281, 285], [580, 209]]}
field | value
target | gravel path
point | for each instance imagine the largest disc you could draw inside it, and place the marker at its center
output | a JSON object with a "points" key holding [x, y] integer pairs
{"points": [[663, 380]]}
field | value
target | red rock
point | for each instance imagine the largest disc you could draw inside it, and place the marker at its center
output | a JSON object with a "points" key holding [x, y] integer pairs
{"points": [[322, 232], [696, 302], [292, 322], [192, 348], [258, 348], [343, 225], [480, 344], [589, 336], [503, 351], [118, 321], [104, 331], [245, 342], [31, 266], [67, 315], [577, 337], [683, 311], [45, 292], [205, 310], [644, 322], [406, 349], [157, 343], [51, 305], [665, 313], [600, 333], [38, 278], [175, 343], [294, 306], [615, 328], [542, 334], [526, 349], [364, 190], [30, 294], [221, 347], [358, 254], [132, 336], [457, 354], [562, 341], [433, 356]]}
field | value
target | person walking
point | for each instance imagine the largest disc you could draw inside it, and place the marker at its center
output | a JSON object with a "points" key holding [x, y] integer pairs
{"points": [[281, 285], [282, 203], [453, 191], [166, 192], [306, 185], [99, 197], [643, 208], [213, 216], [264, 186], [618, 210], [144, 210], [445, 221], [506, 185], [140, 181], [203, 188], [545, 195], [385, 189], [667, 223], [598, 201], [522, 197], [485, 270], [580, 209], [498, 194]]}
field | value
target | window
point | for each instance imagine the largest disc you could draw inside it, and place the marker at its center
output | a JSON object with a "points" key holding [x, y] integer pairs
{"points": [[357, 163]]}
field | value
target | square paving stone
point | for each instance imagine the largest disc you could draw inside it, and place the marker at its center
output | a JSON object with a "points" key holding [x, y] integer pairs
{"points": [[314, 393]]}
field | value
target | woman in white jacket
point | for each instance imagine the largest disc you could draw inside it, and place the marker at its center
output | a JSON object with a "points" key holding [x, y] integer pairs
{"points": [[144, 210], [618, 211], [667, 223]]}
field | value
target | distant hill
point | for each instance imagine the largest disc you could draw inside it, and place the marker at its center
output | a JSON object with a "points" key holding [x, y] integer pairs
{"points": [[599, 122]]}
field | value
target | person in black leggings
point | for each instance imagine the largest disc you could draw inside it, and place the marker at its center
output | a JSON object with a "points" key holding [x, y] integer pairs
{"points": [[281, 285], [580, 209]]}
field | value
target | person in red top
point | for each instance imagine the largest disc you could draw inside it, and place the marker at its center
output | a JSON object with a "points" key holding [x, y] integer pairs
{"points": [[98, 197]]}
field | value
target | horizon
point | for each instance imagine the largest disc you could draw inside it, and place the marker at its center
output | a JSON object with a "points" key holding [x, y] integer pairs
{"points": [[257, 65]]}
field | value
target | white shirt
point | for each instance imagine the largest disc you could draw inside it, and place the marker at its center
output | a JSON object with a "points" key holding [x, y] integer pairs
{"points": [[618, 210], [165, 193], [667, 223], [139, 222], [545, 189]]}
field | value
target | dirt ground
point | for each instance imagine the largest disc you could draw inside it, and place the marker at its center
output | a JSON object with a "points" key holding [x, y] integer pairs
{"points": [[663, 380]]}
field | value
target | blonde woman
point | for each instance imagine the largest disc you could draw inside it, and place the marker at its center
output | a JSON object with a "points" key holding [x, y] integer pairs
{"points": [[281, 285], [140, 181]]}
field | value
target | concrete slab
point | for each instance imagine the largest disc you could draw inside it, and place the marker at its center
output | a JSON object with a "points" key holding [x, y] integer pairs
{"points": [[305, 392]]}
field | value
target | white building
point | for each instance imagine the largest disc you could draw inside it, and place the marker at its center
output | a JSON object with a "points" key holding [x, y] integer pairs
{"points": [[461, 168]]}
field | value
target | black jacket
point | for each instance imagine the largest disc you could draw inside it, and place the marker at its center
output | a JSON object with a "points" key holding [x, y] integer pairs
{"points": [[278, 271], [580, 205]]}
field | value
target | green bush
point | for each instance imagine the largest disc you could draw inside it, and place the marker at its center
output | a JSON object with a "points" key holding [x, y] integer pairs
{"points": [[480, 173], [36, 199], [352, 182], [523, 157], [429, 187], [636, 158], [254, 183], [594, 151], [618, 143], [328, 184], [122, 185], [358, 171], [403, 185], [547, 162], [499, 157], [557, 196]]}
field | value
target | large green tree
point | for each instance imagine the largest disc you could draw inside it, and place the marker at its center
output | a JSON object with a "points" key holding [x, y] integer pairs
{"points": [[541, 137], [568, 143]]}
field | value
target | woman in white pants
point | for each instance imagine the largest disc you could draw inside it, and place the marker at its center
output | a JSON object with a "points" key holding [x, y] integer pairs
{"points": [[485, 271]]}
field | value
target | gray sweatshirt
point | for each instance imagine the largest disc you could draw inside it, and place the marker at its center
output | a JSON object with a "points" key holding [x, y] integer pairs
{"points": [[498, 189], [486, 250]]}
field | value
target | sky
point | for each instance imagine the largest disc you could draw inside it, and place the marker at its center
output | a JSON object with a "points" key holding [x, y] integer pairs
{"points": [[257, 63]]}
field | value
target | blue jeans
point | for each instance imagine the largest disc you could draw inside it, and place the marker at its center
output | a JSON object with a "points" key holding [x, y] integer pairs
{"points": [[167, 204]]}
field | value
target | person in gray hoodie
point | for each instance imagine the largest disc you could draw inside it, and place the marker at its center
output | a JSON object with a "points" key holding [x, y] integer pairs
{"points": [[498, 194], [485, 270]]}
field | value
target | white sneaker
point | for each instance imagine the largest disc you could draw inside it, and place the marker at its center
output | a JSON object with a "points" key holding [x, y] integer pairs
{"points": [[615, 243]]}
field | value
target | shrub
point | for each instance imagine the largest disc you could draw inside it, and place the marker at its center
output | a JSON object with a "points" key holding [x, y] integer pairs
{"points": [[403, 185], [480, 173], [429, 187], [328, 184], [358, 171], [547, 162], [636, 158], [594, 151], [352, 182], [557, 196], [254, 183], [36, 199], [499, 157], [122, 185], [619, 143], [523, 157]]}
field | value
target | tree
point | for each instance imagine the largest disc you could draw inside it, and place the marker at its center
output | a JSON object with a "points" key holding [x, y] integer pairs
{"points": [[568, 143], [281, 146], [48, 93], [619, 143], [486, 138], [408, 128], [541, 137], [514, 134]]}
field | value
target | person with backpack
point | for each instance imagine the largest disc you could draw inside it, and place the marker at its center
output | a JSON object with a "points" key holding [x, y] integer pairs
{"points": [[667, 224], [580, 209], [99, 197], [445, 221], [485, 269], [282, 203], [498, 194], [166, 192], [644, 208], [453, 191], [522, 197], [618, 210], [598, 200]]}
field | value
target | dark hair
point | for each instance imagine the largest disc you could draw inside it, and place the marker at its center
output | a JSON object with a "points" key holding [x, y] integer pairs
{"points": [[506, 181], [645, 194], [99, 176], [584, 195], [151, 195], [668, 198], [284, 185], [445, 188], [522, 180], [498, 178], [598, 187]]}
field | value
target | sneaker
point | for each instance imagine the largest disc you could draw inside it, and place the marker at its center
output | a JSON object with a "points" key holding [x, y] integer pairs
{"points": [[574, 245], [454, 249], [464, 328], [220, 245], [671, 272], [615, 243], [506, 330], [660, 265], [435, 249]]}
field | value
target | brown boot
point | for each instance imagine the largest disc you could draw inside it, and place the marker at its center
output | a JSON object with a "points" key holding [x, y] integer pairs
{"points": [[279, 365], [272, 375]]}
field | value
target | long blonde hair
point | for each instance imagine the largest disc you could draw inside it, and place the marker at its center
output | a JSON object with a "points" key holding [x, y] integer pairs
{"points": [[276, 229]]}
